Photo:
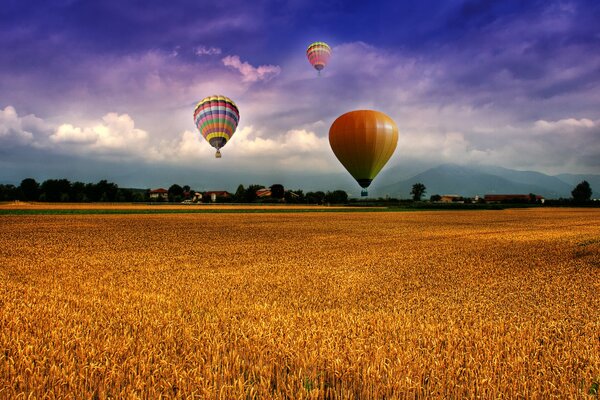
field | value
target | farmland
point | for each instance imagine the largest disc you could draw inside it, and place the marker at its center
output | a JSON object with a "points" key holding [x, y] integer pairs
{"points": [[452, 304]]}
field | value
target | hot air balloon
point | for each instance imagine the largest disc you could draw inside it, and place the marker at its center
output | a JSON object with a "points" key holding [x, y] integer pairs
{"points": [[216, 118], [363, 141], [318, 55]]}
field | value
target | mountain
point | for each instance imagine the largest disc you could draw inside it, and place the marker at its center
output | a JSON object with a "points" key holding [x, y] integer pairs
{"points": [[480, 180], [554, 186]]}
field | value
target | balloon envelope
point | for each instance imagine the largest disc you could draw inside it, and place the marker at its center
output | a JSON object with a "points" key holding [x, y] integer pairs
{"points": [[318, 54], [216, 117], [363, 141]]}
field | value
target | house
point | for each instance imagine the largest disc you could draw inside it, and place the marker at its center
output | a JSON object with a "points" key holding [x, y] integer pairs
{"points": [[264, 192], [217, 193], [156, 194], [512, 198], [449, 198]]}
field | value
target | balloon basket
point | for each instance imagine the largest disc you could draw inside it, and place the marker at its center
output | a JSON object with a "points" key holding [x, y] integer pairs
{"points": [[218, 154], [364, 193]]}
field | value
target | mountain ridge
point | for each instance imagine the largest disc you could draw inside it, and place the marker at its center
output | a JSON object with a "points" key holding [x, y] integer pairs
{"points": [[470, 181]]}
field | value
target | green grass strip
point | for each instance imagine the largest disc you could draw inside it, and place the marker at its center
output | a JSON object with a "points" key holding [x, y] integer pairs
{"points": [[273, 210]]}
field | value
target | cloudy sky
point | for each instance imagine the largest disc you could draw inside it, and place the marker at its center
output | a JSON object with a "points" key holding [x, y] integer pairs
{"points": [[106, 89]]}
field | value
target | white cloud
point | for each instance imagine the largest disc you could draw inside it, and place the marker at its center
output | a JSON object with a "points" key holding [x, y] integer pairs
{"points": [[568, 125], [115, 133], [250, 73], [16, 130], [294, 148], [207, 51], [249, 143]]}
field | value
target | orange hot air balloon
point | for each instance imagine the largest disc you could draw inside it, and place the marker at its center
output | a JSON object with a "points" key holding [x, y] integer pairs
{"points": [[363, 141]]}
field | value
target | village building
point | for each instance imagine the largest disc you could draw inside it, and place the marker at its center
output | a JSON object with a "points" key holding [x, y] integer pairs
{"points": [[264, 192], [156, 194], [449, 198], [512, 198], [214, 194]]}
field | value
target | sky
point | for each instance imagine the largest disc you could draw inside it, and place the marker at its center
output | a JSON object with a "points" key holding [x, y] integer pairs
{"points": [[95, 90]]}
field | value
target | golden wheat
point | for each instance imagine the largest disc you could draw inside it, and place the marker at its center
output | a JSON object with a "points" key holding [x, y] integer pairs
{"points": [[488, 304]]}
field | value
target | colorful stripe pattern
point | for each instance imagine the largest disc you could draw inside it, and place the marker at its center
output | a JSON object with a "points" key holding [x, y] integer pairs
{"points": [[216, 118], [318, 55]]}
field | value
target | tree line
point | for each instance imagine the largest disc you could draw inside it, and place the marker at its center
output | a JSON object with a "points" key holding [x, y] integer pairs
{"points": [[62, 190]]}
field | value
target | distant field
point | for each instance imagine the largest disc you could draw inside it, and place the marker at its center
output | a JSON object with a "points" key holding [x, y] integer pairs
{"points": [[429, 304], [27, 208], [33, 208]]}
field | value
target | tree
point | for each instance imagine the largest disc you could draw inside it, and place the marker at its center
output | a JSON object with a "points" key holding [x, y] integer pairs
{"points": [[240, 194], [582, 192], [56, 189], [277, 191], [175, 193], [336, 197], [30, 189], [418, 190], [435, 197], [78, 192], [315, 197], [8, 192], [294, 196], [250, 193], [107, 190]]}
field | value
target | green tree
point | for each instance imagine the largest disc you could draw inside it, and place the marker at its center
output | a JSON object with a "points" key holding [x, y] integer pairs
{"points": [[315, 197], [418, 190], [8, 192], [78, 192], [175, 193], [107, 191], [250, 193], [240, 194], [277, 191], [435, 197], [294, 196], [30, 189], [56, 189], [582, 192], [336, 197]]}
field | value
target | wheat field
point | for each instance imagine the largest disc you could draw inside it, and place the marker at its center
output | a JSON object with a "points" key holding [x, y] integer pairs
{"points": [[388, 305]]}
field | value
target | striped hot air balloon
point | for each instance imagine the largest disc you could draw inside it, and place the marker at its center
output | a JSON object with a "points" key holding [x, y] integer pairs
{"points": [[318, 55], [363, 141], [216, 118]]}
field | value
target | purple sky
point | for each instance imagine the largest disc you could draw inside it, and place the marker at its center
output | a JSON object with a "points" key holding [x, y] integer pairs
{"points": [[106, 89]]}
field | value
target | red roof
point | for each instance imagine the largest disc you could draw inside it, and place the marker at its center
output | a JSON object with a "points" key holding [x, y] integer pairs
{"points": [[263, 192], [218, 193], [160, 190]]}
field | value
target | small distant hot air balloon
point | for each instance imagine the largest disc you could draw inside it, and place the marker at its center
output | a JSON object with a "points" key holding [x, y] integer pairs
{"points": [[318, 55], [216, 118], [363, 141]]}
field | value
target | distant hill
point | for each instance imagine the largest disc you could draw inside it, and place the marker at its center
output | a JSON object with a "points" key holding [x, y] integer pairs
{"points": [[573, 179], [480, 180]]}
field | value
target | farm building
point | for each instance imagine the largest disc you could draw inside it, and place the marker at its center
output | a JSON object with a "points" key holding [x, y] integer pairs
{"points": [[217, 193], [160, 193], [264, 192], [511, 198], [275, 191], [449, 198]]}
